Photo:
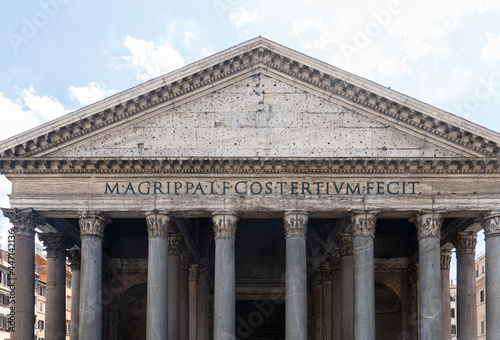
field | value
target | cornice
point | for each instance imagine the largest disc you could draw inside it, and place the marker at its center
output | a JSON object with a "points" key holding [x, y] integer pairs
{"points": [[265, 165], [252, 57]]}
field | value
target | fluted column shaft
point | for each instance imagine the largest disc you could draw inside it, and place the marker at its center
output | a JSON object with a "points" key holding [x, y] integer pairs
{"points": [[428, 225], [326, 274], [296, 275], [203, 303], [347, 285], [225, 224], [491, 225], [92, 224], [184, 296], [445, 292], [74, 255], [363, 225], [25, 221], [174, 285], [193, 302], [55, 316], [157, 287], [318, 306]]}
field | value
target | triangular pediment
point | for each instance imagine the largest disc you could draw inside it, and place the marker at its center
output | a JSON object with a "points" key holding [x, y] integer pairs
{"points": [[257, 99]]}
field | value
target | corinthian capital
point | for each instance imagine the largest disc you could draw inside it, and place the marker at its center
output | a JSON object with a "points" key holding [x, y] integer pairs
{"points": [[465, 242], [428, 223], [75, 258], [491, 223], [174, 243], [24, 220], [344, 240], [53, 243], [225, 223], [296, 223], [363, 222], [158, 221], [335, 261], [445, 259], [92, 223]]}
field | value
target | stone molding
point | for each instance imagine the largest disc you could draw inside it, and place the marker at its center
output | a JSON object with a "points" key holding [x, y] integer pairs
{"points": [[225, 223], [53, 243], [445, 259], [25, 221], [92, 223], [174, 243], [158, 222], [335, 261], [264, 165], [465, 242], [363, 222], [75, 258], [255, 58], [428, 223], [491, 223], [344, 240]]}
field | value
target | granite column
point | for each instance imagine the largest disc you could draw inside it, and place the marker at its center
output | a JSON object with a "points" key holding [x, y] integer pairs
{"points": [[326, 274], [23, 232], [157, 286], [465, 244], [92, 224], [445, 292], [347, 284], [336, 294], [74, 255], [225, 224], [55, 315], [184, 296], [428, 223], [491, 225], [296, 275], [174, 287], [193, 302], [363, 225]]}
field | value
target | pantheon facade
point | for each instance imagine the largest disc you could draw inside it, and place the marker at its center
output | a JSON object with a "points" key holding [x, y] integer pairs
{"points": [[255, 194]]}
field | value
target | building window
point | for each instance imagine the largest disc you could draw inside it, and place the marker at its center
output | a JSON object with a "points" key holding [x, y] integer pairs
{"points": [[476, 273], [40, 307], [68, 302], [4, 300], [454, 329], [3, 322], [481, 296], [68, 283], [482, 269], [41, 290], [68, 326], [482, 327], [453, 312], [40, 324]]}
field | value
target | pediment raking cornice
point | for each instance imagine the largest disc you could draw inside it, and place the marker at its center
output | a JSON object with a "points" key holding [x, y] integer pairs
{"points": [[257, 56]]}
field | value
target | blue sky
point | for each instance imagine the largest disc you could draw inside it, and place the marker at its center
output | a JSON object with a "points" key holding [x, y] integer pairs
{"points": [[59, 55]]}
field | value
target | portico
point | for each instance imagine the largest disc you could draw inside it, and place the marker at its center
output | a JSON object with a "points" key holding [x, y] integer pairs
{"points": [[267, 196]]}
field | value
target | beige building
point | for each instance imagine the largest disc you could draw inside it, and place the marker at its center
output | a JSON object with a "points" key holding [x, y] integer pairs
{"points": [[481, 295], [260, 194], [4, 294]]}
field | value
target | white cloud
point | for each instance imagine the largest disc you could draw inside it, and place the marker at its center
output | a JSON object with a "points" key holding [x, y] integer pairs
{"points": [[491, 51], [150, 58], [89, 94], [244, 16], [27, 111]]}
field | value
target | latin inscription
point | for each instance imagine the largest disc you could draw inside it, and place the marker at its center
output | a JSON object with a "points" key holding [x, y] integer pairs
{"points": [[261, 188]]}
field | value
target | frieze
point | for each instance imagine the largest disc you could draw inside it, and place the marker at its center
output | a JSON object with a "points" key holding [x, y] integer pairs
{"points": [[24, 220], [295, 223], [157, 221], [264, 165], [225, 223], [265, 56], [92, 223]]}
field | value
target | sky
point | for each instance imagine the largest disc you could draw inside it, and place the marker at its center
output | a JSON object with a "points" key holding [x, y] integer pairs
{"points": [[59, 55]]}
